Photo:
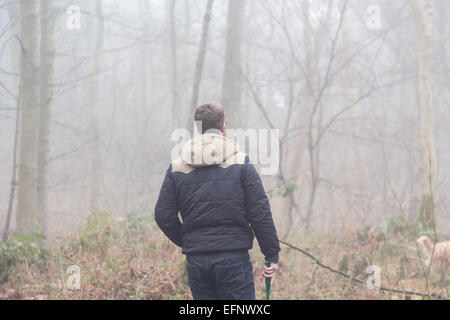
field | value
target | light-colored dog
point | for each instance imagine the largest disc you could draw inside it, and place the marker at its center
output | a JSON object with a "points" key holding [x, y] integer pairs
{"points": [[441, 256]]}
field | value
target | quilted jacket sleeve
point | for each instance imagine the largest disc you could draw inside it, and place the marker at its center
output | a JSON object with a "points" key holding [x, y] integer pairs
{"points": [[166, 211], [259, 214]]}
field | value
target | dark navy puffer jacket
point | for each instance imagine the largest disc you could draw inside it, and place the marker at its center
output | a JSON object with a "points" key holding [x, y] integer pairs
{"points": [[220, 198]]}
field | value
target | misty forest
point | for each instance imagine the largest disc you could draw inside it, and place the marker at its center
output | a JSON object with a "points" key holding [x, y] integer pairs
{"points": [[92, 91]]}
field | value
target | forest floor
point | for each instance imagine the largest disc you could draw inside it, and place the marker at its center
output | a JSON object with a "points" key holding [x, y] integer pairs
{"points": [[131, 259]]}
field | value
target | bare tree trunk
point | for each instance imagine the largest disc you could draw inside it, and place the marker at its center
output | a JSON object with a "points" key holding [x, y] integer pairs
{"points": [[353, 93], [302, 117], [200, 60], [96, 167], [46, 97], [423, 13], [174, 57], [317, 108], [142, 75], [12, 191], [232, 81], [15, 54], [307, 118], [29, 91]]}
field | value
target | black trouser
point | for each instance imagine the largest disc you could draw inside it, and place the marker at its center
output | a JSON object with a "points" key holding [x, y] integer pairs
{"points": [[221, 276]]}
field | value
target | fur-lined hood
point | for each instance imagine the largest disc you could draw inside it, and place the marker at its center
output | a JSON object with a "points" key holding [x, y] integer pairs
{"points": [[208, 150]]}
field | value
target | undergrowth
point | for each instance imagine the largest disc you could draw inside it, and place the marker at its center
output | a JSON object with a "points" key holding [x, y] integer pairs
{"points": [[131, 259]]}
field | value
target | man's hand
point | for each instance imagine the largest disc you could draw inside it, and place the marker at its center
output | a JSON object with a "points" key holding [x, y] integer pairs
{"points": [[269, 272]]}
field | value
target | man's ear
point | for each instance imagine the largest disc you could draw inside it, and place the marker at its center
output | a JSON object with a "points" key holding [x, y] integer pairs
{"points": [[224, 128]]}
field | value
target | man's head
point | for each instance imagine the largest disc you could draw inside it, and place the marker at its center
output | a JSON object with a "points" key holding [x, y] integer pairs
{"points": [[211, 117]]}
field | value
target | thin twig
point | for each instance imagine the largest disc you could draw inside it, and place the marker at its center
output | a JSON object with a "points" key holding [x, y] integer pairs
{"points": [[317, 261]]}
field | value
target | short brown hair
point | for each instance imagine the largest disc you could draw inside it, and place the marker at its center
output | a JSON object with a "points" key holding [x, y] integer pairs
{"points": [[210, 115]]}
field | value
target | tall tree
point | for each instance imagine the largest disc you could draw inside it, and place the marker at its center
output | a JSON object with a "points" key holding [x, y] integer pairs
{"points": [[142, 77], [232, 81], [13, 11], [307, 116], [174, 58], [96, 165], [29, 95], [352, 94], [47, 58], [203, 46], [423, 10]]}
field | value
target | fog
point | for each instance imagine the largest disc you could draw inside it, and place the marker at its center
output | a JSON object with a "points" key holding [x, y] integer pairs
{"points": [[359, 91]]}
